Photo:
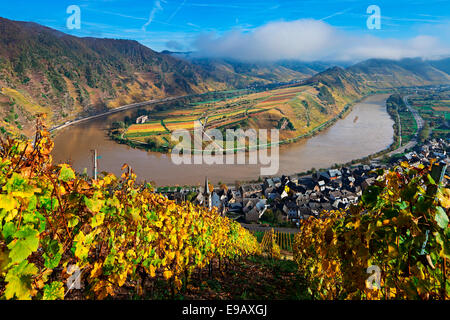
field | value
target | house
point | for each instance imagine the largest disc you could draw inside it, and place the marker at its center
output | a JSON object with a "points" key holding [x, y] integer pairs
{"points": [[334, 174], [336, 183], [326, 206], [254, 210], [409, 156], [268, 191], [252, 216], [315, 207], [322, 175], [248, 204], [334, 195], [350, 181], [235, 207], [274, 196], [367, 182], [293, 179], [296, 187], [250, 189], [338, 204], [141, 119], [302, 199], [291, 209], [215, 200], [352, 199], [284, 179], [315, 196], [268, 183], [320, 186], [307, 183], [235, 196], [277, 181], [305, 212]]}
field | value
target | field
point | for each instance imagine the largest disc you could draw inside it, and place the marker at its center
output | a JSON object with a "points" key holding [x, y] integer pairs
{"points": [[259, 110], [434, 108], [146, 128]]}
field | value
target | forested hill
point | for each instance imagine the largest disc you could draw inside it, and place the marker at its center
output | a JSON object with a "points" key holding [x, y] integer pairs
{"points": [[381, 73], [42, 69]]}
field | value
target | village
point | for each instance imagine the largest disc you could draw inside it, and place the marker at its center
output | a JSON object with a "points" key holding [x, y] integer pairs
{"points": [[284, 201]]}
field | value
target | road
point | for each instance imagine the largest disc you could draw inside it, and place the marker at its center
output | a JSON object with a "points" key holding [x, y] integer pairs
{"points": [[419, 122], [121, 108]]}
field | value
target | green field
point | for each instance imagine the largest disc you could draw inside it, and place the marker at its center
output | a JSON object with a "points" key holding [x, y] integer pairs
{"points": [[434, 108]]}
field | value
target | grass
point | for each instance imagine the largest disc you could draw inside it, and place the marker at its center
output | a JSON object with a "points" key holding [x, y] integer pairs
{"points": [[408, 124], [251, 278], [254, 277]]}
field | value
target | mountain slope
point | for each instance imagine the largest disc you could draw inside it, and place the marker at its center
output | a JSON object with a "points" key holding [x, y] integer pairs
{"points": [[443, 64], [44, 70], [383, 73], [280, 71]]}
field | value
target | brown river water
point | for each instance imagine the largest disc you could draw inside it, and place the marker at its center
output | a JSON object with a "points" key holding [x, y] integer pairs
{"points": [[365, 130]]}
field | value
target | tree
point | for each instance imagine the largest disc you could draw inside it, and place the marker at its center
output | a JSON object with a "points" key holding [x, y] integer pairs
{"points": [[424, 133], [151, 142]]}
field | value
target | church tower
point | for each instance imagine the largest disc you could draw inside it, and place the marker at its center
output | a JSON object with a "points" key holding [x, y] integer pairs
{"points": [[207, 195]]}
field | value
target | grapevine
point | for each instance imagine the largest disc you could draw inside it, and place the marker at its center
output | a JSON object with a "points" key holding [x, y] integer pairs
{"points": [[115, 231], [401, 226]]}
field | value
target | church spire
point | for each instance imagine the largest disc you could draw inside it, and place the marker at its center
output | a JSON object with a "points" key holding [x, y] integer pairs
{"points": [[207, 186], [207, 195]]}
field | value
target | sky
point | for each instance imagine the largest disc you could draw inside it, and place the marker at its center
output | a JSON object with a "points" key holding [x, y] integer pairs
{"points": [[253, 30]]}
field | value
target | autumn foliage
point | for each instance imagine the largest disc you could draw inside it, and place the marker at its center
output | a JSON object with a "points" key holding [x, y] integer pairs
{"points": [[116, 232], [400, 227]]}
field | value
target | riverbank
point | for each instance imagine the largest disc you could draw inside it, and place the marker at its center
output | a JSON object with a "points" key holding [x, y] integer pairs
{"points": [[119, 137], [343, 141]]}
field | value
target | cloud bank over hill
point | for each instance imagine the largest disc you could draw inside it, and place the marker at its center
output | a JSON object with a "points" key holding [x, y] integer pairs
{"points": [[312, 40]]}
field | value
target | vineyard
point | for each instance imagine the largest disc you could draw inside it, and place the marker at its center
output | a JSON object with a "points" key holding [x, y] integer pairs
{"points": [[109, 236], [399, 229], [114, 232]]}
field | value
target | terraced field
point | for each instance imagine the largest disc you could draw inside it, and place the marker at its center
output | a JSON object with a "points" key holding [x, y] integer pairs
{"points": [[269, 109], [151, 127]]}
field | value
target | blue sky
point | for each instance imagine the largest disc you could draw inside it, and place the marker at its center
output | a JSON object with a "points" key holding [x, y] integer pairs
{"points": [[203, 24]]}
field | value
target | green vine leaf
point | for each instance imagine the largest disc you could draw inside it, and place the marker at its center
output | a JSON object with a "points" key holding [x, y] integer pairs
{"points": [[66, 173], [26, 242], [54, 291], [19, 280], [441, 217]]}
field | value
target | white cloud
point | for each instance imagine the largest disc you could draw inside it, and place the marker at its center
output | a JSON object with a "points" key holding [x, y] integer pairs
{"points": [[174, 45], [309, 40]]}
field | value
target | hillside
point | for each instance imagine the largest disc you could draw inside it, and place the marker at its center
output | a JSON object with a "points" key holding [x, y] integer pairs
{"points": [[382, 73], [443, 64], [281, 71], [46, 71], [129, 242]]}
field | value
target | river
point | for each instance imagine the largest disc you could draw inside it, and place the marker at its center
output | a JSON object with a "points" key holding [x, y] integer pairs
{"points": [[365, 130]]}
